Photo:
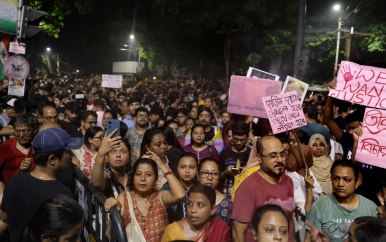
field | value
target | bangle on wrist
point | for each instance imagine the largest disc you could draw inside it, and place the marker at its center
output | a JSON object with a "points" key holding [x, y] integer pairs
{"points": [[168, 173]]}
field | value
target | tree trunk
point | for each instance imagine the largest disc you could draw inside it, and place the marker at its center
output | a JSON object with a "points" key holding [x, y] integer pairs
{"points": [[227, 54]]}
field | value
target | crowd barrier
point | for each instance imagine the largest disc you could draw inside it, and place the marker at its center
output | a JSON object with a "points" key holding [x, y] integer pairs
{"points": [[96, 219]]}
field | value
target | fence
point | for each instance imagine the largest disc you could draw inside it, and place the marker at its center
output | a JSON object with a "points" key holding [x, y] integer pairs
{"points": [[96, 219]]}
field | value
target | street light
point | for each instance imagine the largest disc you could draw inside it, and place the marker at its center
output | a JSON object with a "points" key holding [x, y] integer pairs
{"points": [[131, 36], [48, 49], [336, 7]]}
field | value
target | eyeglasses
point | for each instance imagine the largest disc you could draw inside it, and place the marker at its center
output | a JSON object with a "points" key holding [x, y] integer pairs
{"points": [[92, 122], [205, 174], [19, 132], [275, 155], [204, 115], [142, 116], [100, 138], [51, 119]]}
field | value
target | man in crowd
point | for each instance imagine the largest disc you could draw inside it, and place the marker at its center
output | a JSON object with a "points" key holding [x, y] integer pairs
{"points": [[238, 152], [133, 103], [88, 119], [16, 154], [26, 191], [174, 99], [69, 123], [267, 185], [135, 134], [156, 113], [48, 114]]}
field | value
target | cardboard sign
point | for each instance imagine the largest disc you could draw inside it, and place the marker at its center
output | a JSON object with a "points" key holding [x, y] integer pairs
{"points": [[245, 95], [293, 84], [112, 81], [16, 86], [253, 72], [372, 143], [364, 85], [284, 112]]}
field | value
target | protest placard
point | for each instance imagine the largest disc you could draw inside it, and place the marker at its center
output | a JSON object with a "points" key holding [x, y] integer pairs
{"points": [[112, 81], [293, 84], [245, 95], [284, 112], [364, 85], [253, 72], [16, 86], [372, 143]]}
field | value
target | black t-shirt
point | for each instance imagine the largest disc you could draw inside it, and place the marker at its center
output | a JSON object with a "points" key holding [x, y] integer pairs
{"points": [[23, 195], [229, 157], [70, 128], [209, 135]]}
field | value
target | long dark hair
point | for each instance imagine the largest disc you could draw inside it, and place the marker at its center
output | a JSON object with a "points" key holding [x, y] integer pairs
{"points": [[90, 133], [148, 138], [54, 218]]}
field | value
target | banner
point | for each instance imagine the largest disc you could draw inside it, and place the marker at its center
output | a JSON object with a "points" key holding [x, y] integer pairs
{"points": [[245, 95], [364, 85], [372, 143], [284, 112], [112, 81]]}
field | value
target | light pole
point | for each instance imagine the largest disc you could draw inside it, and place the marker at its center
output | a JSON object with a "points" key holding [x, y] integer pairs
{"points": [[48, 49], [337, 8]]}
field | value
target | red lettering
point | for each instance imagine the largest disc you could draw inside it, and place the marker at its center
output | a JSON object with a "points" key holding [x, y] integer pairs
{"points": [[365, 76], [381, 78]]}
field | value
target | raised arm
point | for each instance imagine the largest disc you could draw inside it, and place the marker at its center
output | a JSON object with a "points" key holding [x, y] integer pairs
{"points": [[328, 114], [98, 177], [176, 192]]}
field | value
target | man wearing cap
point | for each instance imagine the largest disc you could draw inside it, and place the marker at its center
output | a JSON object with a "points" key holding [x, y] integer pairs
{"points": [[69, 123], [5, 118], [26, 191]]}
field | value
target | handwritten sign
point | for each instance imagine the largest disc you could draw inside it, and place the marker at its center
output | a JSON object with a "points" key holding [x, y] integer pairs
{"points": [[284, 111], [245, 95], [112, 81], [363, 85], [372, 143], [293, 84]]}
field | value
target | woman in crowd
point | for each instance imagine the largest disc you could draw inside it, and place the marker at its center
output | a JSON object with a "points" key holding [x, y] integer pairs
{"points": [[198, 146], [154, 141], [189, 122], [182, 116], [200, 225], [193, 113], [108, 114], [338, 209], [85, 156], [270, 223], [115, 178], [322, 162], [148, 203], [187, 171], [209, 174], [59, 218]]}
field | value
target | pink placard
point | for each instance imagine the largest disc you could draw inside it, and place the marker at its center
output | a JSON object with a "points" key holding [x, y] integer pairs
{"points": [[245, 95], [372, 143], [363, 85], [284, 112]]}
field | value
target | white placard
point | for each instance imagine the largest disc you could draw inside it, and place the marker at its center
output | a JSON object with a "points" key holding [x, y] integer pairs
{"points": [[18, 48], [112, 81], [16, 87]]}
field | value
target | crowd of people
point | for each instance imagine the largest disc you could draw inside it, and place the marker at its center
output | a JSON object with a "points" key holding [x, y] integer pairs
{"points": [[183, 168]]}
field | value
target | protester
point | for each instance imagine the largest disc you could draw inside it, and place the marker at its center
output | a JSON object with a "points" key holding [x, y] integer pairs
{"points": [[59, 218], [209, 175], [199, 225], [148, 204], [198, 146], [270, 223], [340, 208]]}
